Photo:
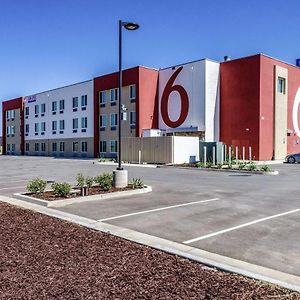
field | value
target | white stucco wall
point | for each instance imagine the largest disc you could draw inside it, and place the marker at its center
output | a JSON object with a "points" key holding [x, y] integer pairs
{"points": [[67, 93], [185, 148]]}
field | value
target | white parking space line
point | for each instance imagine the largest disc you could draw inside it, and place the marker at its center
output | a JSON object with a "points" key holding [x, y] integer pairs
{"points": [[239, 226], [158, 209], [13, 187]]}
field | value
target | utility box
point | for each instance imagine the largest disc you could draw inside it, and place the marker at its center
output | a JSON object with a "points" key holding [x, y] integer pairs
{"points": [[210, 146]]}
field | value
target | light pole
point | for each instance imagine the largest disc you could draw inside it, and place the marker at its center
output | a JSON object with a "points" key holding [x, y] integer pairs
{"points": [[121, 175]]}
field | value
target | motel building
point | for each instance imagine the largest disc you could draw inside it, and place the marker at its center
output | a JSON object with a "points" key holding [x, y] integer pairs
{"points": [[250, 102]]}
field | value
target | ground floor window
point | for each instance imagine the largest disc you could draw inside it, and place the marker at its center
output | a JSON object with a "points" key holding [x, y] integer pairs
{"points": [[27, 147], [43, 147], [84, 147], [75, 147], [103, 146], [62, 146], [113, 146], [54, 147], [36, 147]]}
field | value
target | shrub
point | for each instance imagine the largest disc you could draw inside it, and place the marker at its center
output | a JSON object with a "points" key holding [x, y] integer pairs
{"points": [[89, 181], [137, 183], [252, 167], [37, 186], [105, 181], [61, 189], [209, 164], [265, 168], [219, 166], [200, 164], [80, 180], [241, 165]]}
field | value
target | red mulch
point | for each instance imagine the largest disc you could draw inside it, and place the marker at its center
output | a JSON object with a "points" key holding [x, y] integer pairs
{"points": [[94, 190], [45, 258]]}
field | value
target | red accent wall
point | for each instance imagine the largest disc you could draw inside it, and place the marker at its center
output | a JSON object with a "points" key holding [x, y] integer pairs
{"points": [[267, 106], [17, 103], [147, 103], [239, 104]]}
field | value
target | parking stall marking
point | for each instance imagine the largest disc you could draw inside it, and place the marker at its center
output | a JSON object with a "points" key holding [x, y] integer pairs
{"points": [[158, 209], [239, 226]]}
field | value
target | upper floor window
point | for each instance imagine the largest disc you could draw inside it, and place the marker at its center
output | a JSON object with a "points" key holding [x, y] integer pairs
{"points": [[114, 95], [36, 109], [102, 97], [132, 92], [61, 105], [36, 127], [103, 121], [84, 122], [75, 102], [27, 128], [13, 114], [75, 123], [26, 111], [84, 100], [54, 125], [132, 118], [113, 120], [281, 85], [54, 106], [43, 126], [13, 129], [43, 108], [62, 125]]}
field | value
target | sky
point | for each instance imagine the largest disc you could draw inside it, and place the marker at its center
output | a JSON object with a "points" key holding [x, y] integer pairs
{"points": [[46, 44]]}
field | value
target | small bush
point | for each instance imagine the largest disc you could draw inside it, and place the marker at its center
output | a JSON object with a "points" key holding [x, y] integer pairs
{"points": [[200, 164], [209, 164], [105, 181], [252, 167], [61, 189], [241, 165], [37, 186], [89, 181], [137, 183], [219, 166], [265, 168], [80, 180]]}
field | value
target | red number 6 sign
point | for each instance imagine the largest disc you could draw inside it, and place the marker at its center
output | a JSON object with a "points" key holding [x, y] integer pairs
{"points": [[165, 101]]}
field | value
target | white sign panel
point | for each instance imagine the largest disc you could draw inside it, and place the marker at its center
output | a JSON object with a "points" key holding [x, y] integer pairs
{"points": [[182, 97]]}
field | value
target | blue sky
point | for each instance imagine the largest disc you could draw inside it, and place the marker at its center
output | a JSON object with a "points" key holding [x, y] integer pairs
{"points": [[50, 43]]}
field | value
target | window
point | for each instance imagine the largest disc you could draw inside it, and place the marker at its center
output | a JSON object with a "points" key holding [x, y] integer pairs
{"points": [[84, 122], [54, 106], [84, 100], [27, 128], [36, 109], [8, 115], [103, 146], [43, 108], [281, 85], [13, 147], [13, 130], [8, 147], [36, 127], [61, 105], [26, 147], [83, 146], [132, 118], [113, 146], [132, 92], [27, 111], [75, 124], [36, 147], [103, 121], [75, 147], [13, 114], [75, 102], [43, 147], [8, 130], [54, 125], [62, 146], [54, 147], [114, 95], [113, 120], [62, 125], [43, 126], [102, 97]]}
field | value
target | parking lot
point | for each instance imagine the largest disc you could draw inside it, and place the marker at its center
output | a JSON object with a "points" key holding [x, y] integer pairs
{"points": [[250, 218]]}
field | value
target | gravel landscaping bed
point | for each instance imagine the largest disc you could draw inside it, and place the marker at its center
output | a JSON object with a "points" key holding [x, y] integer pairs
{"points": [[46, 258]]}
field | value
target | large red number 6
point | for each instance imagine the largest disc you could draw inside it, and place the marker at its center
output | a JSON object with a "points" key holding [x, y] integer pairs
{"points": [[165, 101]]}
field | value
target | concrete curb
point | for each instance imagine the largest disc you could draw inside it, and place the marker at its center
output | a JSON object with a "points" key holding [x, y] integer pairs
{"points": [[61, 203], [125, 164], [223, 170], [285, 280]]}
